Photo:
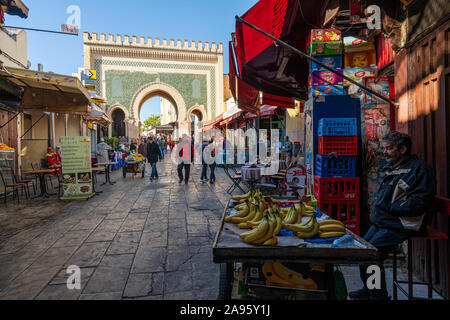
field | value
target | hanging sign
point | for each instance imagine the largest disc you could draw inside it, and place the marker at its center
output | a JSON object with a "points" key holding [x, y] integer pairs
{"points": [[295, 180], [76, 168]]}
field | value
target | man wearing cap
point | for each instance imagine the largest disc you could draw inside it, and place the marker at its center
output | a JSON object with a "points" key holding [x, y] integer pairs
{"points": [[102, 151]]}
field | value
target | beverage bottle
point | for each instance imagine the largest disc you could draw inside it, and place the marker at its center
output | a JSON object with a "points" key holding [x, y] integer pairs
{"points": [[344, 242]]}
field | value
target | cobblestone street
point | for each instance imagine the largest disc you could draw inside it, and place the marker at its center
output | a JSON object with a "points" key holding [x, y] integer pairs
{"points": [[136, 240]]}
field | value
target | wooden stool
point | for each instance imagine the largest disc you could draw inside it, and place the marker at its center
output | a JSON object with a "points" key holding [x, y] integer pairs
{"points": [[432, 234]]}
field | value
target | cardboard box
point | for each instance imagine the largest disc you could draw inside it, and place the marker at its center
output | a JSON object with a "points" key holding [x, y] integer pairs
{"points": [[357, 44], [326, 78], [324, 35], [334, 62], [327, 90], [298, 276], [360, 59], [326, 48], [358, 74]]}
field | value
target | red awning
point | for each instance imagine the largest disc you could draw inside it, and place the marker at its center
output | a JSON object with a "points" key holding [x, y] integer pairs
{"points": [[247, 96], [210, 124], [265, 110], [278, 101], [226, 121], [272, 68]]}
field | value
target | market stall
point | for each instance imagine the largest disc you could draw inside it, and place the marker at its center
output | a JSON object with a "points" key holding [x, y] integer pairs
{"points": [[299, 261]]}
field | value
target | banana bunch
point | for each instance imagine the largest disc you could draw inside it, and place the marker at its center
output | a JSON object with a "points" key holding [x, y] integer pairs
{"points": [[244, 197], [264, 231], [278, 274], [331, 228], [305, 230], [295, 213]]}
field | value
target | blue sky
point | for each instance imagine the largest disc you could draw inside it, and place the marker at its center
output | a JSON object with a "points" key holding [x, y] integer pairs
{"points": [[205, 20]]}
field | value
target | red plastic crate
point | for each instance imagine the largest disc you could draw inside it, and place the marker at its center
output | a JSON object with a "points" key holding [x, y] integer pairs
{"points": [[336, 188], [346, 211], [343, 146]]}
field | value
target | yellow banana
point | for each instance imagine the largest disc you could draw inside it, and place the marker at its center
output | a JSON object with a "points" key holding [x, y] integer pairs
{"points": [[300, 213], [256, 233], [271, 242], [243, 196], [294, 277], [243, 225], [269, 232], [302, 227], [279, 224], [272, 278], [244, 212], [291, 216], [312, 233], [330, 221], [250, 216], [331, 234], [332, 228]]}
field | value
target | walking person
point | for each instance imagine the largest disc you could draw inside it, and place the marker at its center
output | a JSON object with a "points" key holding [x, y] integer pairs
{"points": [[212, 167], [400, 208], [153, 155], [204, 177], [186, 153], [142, 149]]}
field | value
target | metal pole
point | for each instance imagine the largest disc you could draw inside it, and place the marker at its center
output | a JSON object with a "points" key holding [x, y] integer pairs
{"points": [[316, 61], [41, 30]]}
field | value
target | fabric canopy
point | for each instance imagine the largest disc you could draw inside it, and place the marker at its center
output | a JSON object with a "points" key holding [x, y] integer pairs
{"points": [[232, 68], [48, 91], [278, 101], [15, 8], [247, 96], [269, 67], [265, 110]]}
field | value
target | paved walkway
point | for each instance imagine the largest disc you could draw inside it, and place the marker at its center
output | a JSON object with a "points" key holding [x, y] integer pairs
{"points": [[136, 240]]}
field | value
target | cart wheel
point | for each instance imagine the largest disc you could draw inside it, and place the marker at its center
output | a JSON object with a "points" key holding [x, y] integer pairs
{"points": [[225, 286], [143, 172], [124, 172]]}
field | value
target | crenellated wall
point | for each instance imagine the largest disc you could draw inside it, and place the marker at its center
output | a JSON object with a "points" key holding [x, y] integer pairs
{"points": [[149, 42]]}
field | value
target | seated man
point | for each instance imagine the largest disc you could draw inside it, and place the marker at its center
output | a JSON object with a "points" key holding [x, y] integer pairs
{"points": [[399, 209]]}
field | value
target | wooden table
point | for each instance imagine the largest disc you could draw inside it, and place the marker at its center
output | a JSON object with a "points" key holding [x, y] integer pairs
{"points": [[41, 174], [108, 176], [309, 254]]}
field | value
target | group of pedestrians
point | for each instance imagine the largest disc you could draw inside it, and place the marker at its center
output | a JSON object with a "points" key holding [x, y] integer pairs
{"points": [[155, 148]]}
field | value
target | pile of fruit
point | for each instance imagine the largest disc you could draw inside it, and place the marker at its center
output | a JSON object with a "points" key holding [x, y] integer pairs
{"points": [[266, 221], [134, 157], [5, 147]]}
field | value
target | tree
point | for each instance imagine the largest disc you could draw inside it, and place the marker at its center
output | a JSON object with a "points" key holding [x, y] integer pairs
{"points": [[151, 122]]}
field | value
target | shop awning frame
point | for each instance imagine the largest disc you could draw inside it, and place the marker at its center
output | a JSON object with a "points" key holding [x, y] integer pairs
{"points": [[304, 55], [48, 92]]}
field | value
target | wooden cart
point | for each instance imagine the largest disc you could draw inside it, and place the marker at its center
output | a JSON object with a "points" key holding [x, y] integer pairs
{"points": [[310, 254]]}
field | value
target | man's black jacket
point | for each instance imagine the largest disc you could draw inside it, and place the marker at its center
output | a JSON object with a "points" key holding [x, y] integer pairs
{"points": [[153, 152], [405, 196]]}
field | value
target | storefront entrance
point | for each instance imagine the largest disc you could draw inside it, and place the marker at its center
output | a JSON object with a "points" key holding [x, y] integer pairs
{"points": [[118, 128]]}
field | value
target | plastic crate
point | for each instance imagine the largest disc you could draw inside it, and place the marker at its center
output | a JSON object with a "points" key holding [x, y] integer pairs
{"points": [[337, 127], [336, 188], [335, 167], [346, 211], [343, 146]]}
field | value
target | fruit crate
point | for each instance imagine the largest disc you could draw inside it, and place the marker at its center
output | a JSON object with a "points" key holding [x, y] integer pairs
{"points": [[346, 211], [343, 146], [337, 127], [336, 188], [335, 167]]}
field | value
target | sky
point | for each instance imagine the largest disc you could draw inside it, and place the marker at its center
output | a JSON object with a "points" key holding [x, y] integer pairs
{"points": [[205, 20]]}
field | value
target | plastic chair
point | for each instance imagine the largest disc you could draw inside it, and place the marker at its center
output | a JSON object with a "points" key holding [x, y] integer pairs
{"points": [[441, 205]]}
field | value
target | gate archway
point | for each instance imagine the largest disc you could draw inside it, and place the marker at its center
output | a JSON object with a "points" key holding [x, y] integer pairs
{"points": [[131, 72]]}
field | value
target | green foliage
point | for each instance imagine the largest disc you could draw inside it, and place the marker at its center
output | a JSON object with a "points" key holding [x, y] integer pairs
{"points": [[151, 122], [113, 142]]}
